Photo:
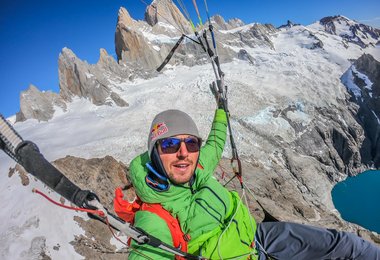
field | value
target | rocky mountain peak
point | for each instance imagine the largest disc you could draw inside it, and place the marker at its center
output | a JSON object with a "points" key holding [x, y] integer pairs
{"points": [[220, 22], [105, 60], [69, 65], [235, 22], [78, 78], [166, 11], [132, 47], [351, 31], [336, 18], [289, 24], [38, 105], [371, 68], [124, 17], [103, 56]]}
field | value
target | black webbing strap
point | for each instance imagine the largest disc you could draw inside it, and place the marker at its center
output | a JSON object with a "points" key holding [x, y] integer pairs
{"points": [[170, 55], [34, 162], [209, 51]]}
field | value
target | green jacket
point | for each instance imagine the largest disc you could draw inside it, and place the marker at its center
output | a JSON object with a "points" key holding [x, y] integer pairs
{"points": [[205, 214]]}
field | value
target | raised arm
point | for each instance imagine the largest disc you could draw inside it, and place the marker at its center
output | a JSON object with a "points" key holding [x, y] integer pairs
{"points": [[212, 150]]}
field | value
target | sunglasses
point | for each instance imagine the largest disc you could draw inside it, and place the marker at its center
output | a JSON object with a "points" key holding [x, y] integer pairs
{"points": [[172, 144]]}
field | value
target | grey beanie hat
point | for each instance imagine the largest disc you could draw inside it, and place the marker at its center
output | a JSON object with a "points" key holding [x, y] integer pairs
{"points": [[170, 123]]}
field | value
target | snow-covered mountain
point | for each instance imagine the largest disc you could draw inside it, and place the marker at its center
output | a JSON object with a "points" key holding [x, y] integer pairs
{"points": [[293, 96]]}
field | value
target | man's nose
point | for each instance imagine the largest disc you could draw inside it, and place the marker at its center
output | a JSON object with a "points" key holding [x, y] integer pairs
{"points": [[182, 152]]}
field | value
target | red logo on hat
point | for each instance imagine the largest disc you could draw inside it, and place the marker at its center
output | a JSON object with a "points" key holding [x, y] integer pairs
{"points": [[158, 130]]}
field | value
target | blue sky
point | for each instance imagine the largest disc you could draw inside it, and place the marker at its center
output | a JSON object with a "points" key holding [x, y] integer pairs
{"points": [[33, 33]]}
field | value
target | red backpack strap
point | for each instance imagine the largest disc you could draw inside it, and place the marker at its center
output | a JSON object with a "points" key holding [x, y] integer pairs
{"points": [[199, 166], [124, 209], [173, 225]]}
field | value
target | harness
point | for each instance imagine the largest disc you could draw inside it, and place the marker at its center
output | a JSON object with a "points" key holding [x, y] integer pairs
{"points": [[127, 210]]}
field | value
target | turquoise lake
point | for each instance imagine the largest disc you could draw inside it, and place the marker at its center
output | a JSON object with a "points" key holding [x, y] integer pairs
{"points": [[358, 199]]}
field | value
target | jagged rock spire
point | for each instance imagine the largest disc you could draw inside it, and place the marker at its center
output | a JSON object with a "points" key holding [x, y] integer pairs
{"points": [[166, 11], [78, 78], [38, 105], [130, 43], [124, 17]]}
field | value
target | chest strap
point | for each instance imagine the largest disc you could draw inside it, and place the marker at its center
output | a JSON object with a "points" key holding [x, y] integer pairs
{"points": [[178, 236]]}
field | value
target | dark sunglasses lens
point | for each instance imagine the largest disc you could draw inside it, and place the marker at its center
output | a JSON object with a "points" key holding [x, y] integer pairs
{"points": [[192, 144], [170, 145]]}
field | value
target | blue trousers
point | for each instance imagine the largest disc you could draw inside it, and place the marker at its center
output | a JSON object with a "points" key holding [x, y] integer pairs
{"points": [[291, 241]]}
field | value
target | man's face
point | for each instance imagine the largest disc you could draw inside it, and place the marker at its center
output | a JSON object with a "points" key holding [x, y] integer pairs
{"points": [[179, 166]]}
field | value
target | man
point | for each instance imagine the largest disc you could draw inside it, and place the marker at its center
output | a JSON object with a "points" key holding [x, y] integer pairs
{"points": [[176, 172]]}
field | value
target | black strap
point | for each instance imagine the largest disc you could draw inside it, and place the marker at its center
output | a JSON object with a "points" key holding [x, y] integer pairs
{"points": [[191, 39], [209, 51], [34, 162], [171, 53]]}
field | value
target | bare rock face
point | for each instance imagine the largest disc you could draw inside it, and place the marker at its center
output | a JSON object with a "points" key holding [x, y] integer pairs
{"points": [[78, 78], [371, 67], [101, 175], [108, 63], [257, 35], [38, 105], [166, 11], [21, 172], [125, 18], [235, 22], [368, 114], [131, 45], [220, 23], [123, 28]]}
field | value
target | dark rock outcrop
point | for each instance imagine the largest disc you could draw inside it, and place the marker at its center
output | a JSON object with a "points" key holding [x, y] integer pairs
{"points": [[366, 76], [244, 55], [101, 175], [289, 24]]}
